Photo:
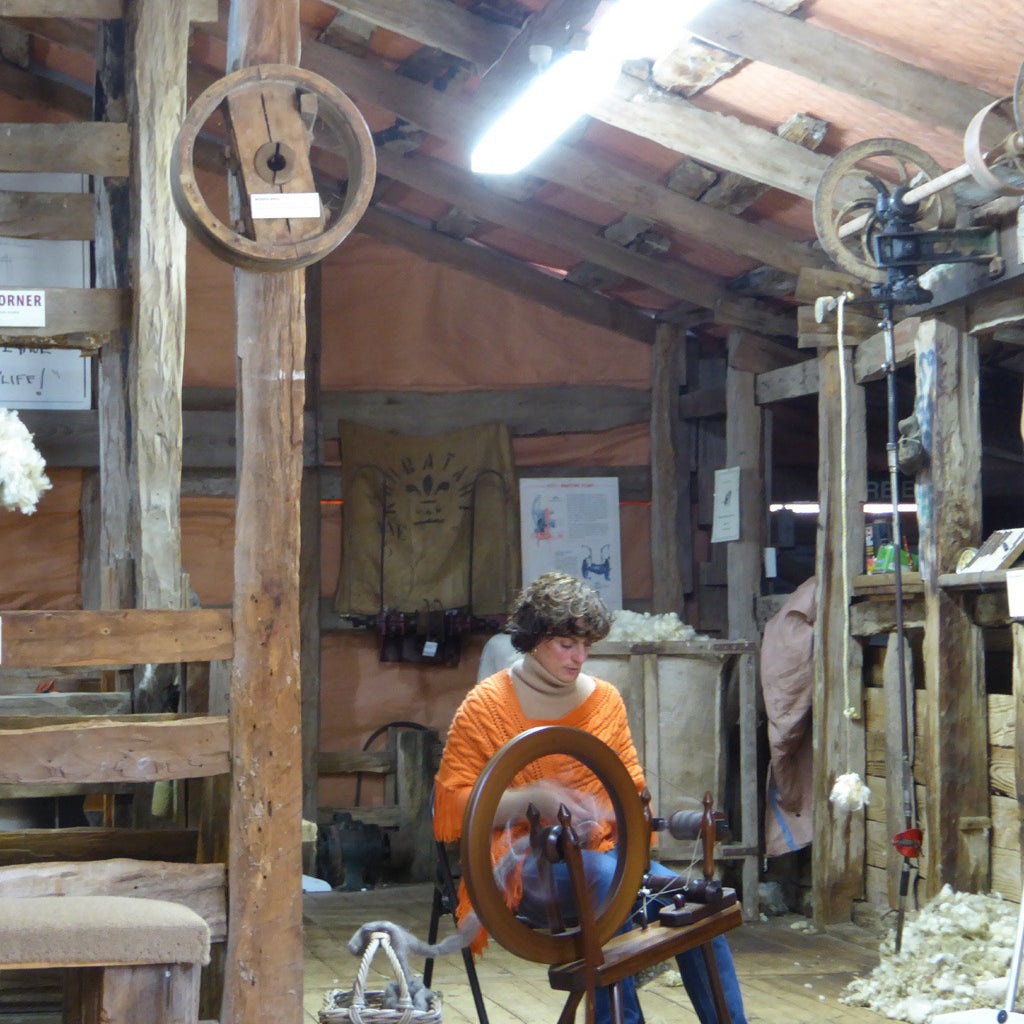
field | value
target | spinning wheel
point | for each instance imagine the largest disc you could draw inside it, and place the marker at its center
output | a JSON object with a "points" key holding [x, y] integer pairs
{"points": [[270, 111], [478, 826], [847, 195], [593, 955], [1001, 167]]}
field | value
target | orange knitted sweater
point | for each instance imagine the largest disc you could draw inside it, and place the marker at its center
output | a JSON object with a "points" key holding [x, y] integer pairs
{"points": [[491, 715]]}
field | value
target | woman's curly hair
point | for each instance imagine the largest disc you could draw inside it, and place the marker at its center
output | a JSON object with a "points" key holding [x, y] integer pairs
{"points": [[557, 604]]}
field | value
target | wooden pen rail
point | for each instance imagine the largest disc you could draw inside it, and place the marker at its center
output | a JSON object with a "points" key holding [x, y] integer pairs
{"points": [[135, 748], [122, 637]]}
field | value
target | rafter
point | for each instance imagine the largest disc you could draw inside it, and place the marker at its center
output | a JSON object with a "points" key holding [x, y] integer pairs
{"points": [[552, 226], [438, 23], [462, 123], [759, 33]]}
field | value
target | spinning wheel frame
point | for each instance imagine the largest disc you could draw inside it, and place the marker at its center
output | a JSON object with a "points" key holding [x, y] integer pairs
{"points": [[846, 222], [333, 108], [478, 827]]}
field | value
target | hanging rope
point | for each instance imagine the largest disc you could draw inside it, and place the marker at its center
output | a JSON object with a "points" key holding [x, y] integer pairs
{"points": [[849, 710]]}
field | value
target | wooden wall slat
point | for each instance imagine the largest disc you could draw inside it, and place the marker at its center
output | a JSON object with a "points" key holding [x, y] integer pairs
{"points": [[83, 313], [122, 637], [82, 147], [136, 748], [29, 846]]}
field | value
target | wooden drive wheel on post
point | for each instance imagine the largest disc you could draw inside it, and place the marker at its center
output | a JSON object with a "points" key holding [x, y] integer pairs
{"points": [[270, 111], [592, 954]]}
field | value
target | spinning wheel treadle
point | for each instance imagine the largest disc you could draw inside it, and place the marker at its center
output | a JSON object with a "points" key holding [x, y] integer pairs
{"points": [[478, 824], [845, 201], [270, 110]]}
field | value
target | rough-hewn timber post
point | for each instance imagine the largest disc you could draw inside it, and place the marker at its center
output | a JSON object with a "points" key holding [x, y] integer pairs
{"points": [[264, 968], [948, 496], [665, 462], [838, 876], [744, 448]]}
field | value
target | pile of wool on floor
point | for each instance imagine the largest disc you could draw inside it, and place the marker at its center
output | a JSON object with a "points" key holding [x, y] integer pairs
{"points": [[642, 627], [955, 955]]}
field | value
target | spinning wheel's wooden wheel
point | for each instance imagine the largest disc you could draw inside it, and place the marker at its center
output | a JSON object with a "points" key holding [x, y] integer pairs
{"points": [[844, 204], [270, 111], [478, 825]]}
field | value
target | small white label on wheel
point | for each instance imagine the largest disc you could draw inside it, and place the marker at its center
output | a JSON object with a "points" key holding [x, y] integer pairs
{"points": [[282, 205]]}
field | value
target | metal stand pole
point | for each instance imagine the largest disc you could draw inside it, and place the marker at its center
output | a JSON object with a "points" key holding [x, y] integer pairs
{"points": [[910, 838]]}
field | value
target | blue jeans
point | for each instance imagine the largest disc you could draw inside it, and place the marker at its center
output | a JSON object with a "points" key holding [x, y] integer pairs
{"points": [[600, 870]]}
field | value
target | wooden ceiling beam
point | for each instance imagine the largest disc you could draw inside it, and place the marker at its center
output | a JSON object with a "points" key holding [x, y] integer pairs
{"points": [[462, 123], [438, 23], [554, 26], [717, 139], [548, 225], [758, 33]]}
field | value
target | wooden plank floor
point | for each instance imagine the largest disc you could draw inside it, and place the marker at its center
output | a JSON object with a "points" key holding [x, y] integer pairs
{"points": [[788, 975]]}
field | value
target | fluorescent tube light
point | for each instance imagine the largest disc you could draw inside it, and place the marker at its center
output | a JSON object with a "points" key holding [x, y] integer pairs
{"points": [[547, 108], [812, 508], [570, 86]]}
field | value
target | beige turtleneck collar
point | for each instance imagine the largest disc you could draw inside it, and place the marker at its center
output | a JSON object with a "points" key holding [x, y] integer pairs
{"points": [[543, 696]]}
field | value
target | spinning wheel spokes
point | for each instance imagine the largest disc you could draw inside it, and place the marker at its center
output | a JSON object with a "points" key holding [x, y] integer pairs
{"points": [[633, 842]]}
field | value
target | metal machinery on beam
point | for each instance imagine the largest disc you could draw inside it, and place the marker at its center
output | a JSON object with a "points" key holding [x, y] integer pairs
{"points": [[884, 212]]}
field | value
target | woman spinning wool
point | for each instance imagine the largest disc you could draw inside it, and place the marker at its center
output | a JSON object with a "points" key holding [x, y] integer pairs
{"points": [[553, 624]]}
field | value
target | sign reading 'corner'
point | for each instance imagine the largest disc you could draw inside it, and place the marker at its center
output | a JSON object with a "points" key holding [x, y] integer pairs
{"points": [[22, 307]]}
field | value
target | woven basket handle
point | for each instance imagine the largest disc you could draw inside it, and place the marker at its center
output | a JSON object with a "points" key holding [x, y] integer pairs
{"points": [[380, 940]]}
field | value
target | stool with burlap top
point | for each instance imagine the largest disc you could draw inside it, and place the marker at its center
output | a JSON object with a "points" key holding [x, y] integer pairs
{"points": [[128, 960]]}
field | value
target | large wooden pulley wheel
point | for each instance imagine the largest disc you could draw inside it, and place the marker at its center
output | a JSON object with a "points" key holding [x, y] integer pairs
{"points": [[998, 167], [271, 112], [845, 201], [478, 826]]}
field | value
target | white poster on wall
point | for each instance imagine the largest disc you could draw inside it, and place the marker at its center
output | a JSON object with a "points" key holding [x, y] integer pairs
{"points": [[44, 378], [571, 525], [725, 524]]}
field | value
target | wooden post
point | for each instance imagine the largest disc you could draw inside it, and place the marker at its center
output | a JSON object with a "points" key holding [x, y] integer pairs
{"points": [[744, 447], [264, 954], [710, 581], [309, 567], [113, 226], [838, 871], [949, 516], [157, 63], [1017, 635], [665, 462]]}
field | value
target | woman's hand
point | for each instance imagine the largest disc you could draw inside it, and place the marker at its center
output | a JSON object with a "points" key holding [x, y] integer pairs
{"points": [[547, 797]]}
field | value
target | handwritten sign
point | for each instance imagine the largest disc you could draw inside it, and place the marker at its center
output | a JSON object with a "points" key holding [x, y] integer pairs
{"points": [[44, 378]]}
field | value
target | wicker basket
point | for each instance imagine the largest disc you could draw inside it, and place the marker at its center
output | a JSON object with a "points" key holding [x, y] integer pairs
{"points": [[362, 1007]]}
